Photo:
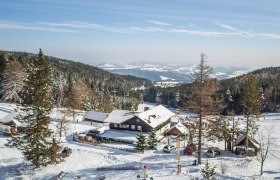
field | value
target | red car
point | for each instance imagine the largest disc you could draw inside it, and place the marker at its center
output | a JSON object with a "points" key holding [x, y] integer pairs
{"points": [[189, 149]]}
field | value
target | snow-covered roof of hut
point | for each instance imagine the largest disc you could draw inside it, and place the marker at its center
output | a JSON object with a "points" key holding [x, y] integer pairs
{"points": [[119, 116], [156, 116], [94, 115], [10, 118], [175, 119], [252, 140], [180, 127]]}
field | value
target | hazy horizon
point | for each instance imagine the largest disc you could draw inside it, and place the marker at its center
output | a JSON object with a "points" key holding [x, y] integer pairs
{"points": [[232, 33]]}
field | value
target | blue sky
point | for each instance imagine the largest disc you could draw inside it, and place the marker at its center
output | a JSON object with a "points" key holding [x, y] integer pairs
{"points": [[231, 32]]}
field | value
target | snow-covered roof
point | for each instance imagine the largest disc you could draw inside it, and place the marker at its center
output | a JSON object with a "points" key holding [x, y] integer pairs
{"points": [[175, 119], [94, 115], [252, 140], [156, 116], [10, 117], [119, 116], [142, 107], [180, 127], [121, 135]]}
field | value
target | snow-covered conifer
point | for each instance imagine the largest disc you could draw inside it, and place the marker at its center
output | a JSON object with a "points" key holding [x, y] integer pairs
{"points": [[35, 142], [152, 141], [141, 143]]}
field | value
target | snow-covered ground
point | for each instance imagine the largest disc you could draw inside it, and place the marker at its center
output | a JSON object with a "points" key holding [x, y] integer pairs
{"points": [[86, 159]]}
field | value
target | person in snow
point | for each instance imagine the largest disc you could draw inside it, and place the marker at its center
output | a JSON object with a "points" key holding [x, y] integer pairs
{"points": [[145, 169]]}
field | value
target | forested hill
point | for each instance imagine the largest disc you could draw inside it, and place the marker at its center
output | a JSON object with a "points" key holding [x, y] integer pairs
{"points": [[265, 76], [268, 84], [76, 70]]}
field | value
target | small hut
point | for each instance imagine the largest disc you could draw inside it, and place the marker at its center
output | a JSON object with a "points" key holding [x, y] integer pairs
{"points": [[177, 130], [240, 146], [9, 125]]}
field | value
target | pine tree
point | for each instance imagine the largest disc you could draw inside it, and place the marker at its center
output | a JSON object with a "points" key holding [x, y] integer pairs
{"points": [[152, 141], [3, 64], [201, 98], [208, 173], [251, 104], [35, 142], [141, 143]]}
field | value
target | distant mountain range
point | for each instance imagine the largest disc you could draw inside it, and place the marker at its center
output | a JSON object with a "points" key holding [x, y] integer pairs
{"points": [[168, 72]]}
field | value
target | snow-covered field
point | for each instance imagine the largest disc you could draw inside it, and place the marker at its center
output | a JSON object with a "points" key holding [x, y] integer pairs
{"points": [[86, 159]]}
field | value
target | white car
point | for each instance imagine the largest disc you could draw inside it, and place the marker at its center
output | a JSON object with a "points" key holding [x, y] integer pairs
{"points": [[168, 148], [213, 152]]}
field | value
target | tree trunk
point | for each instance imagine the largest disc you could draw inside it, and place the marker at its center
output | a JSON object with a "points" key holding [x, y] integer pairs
{"points": [[60, 131], [262, 162], [247, 132], [233, 129], [199, 139]]}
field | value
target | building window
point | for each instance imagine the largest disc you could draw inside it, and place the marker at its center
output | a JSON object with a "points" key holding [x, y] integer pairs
{"points": [[139, 128], [124, 126], [132, 127], [146, 108]]}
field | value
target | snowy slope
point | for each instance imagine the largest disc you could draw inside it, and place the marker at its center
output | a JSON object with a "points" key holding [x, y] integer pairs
{"points": [[86, 158]]}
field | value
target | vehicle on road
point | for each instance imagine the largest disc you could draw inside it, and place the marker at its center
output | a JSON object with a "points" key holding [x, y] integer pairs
{"points": [[213, 152], [67, 150], [169, 148], [189, 149]]}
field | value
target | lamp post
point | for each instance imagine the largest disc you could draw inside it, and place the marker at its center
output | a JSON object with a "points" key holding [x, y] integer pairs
{"points": [[178, 156]]}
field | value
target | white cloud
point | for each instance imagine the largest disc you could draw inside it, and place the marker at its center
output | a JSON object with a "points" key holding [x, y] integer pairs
{"points": [[250, 33], [144, 29], [5, 25], [269, 36], [225, 26], [204, 33], [73, 24], [159, 23], [78, 27]]}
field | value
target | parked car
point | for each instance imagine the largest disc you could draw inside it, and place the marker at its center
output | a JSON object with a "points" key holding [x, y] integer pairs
{"points": [[95, 134], [67, 150], [101, 177], [213, 152], [189, 149], [169, 148]]}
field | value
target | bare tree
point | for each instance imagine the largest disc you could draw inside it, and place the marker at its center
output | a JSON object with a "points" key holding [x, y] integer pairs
{"points": [[62, 126], [13, 81], [219, 129], [200, 100], [78, 97], [267, 147]]}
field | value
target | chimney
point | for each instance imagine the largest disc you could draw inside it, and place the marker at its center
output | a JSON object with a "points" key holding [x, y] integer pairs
{"points": [[149, 118]]}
